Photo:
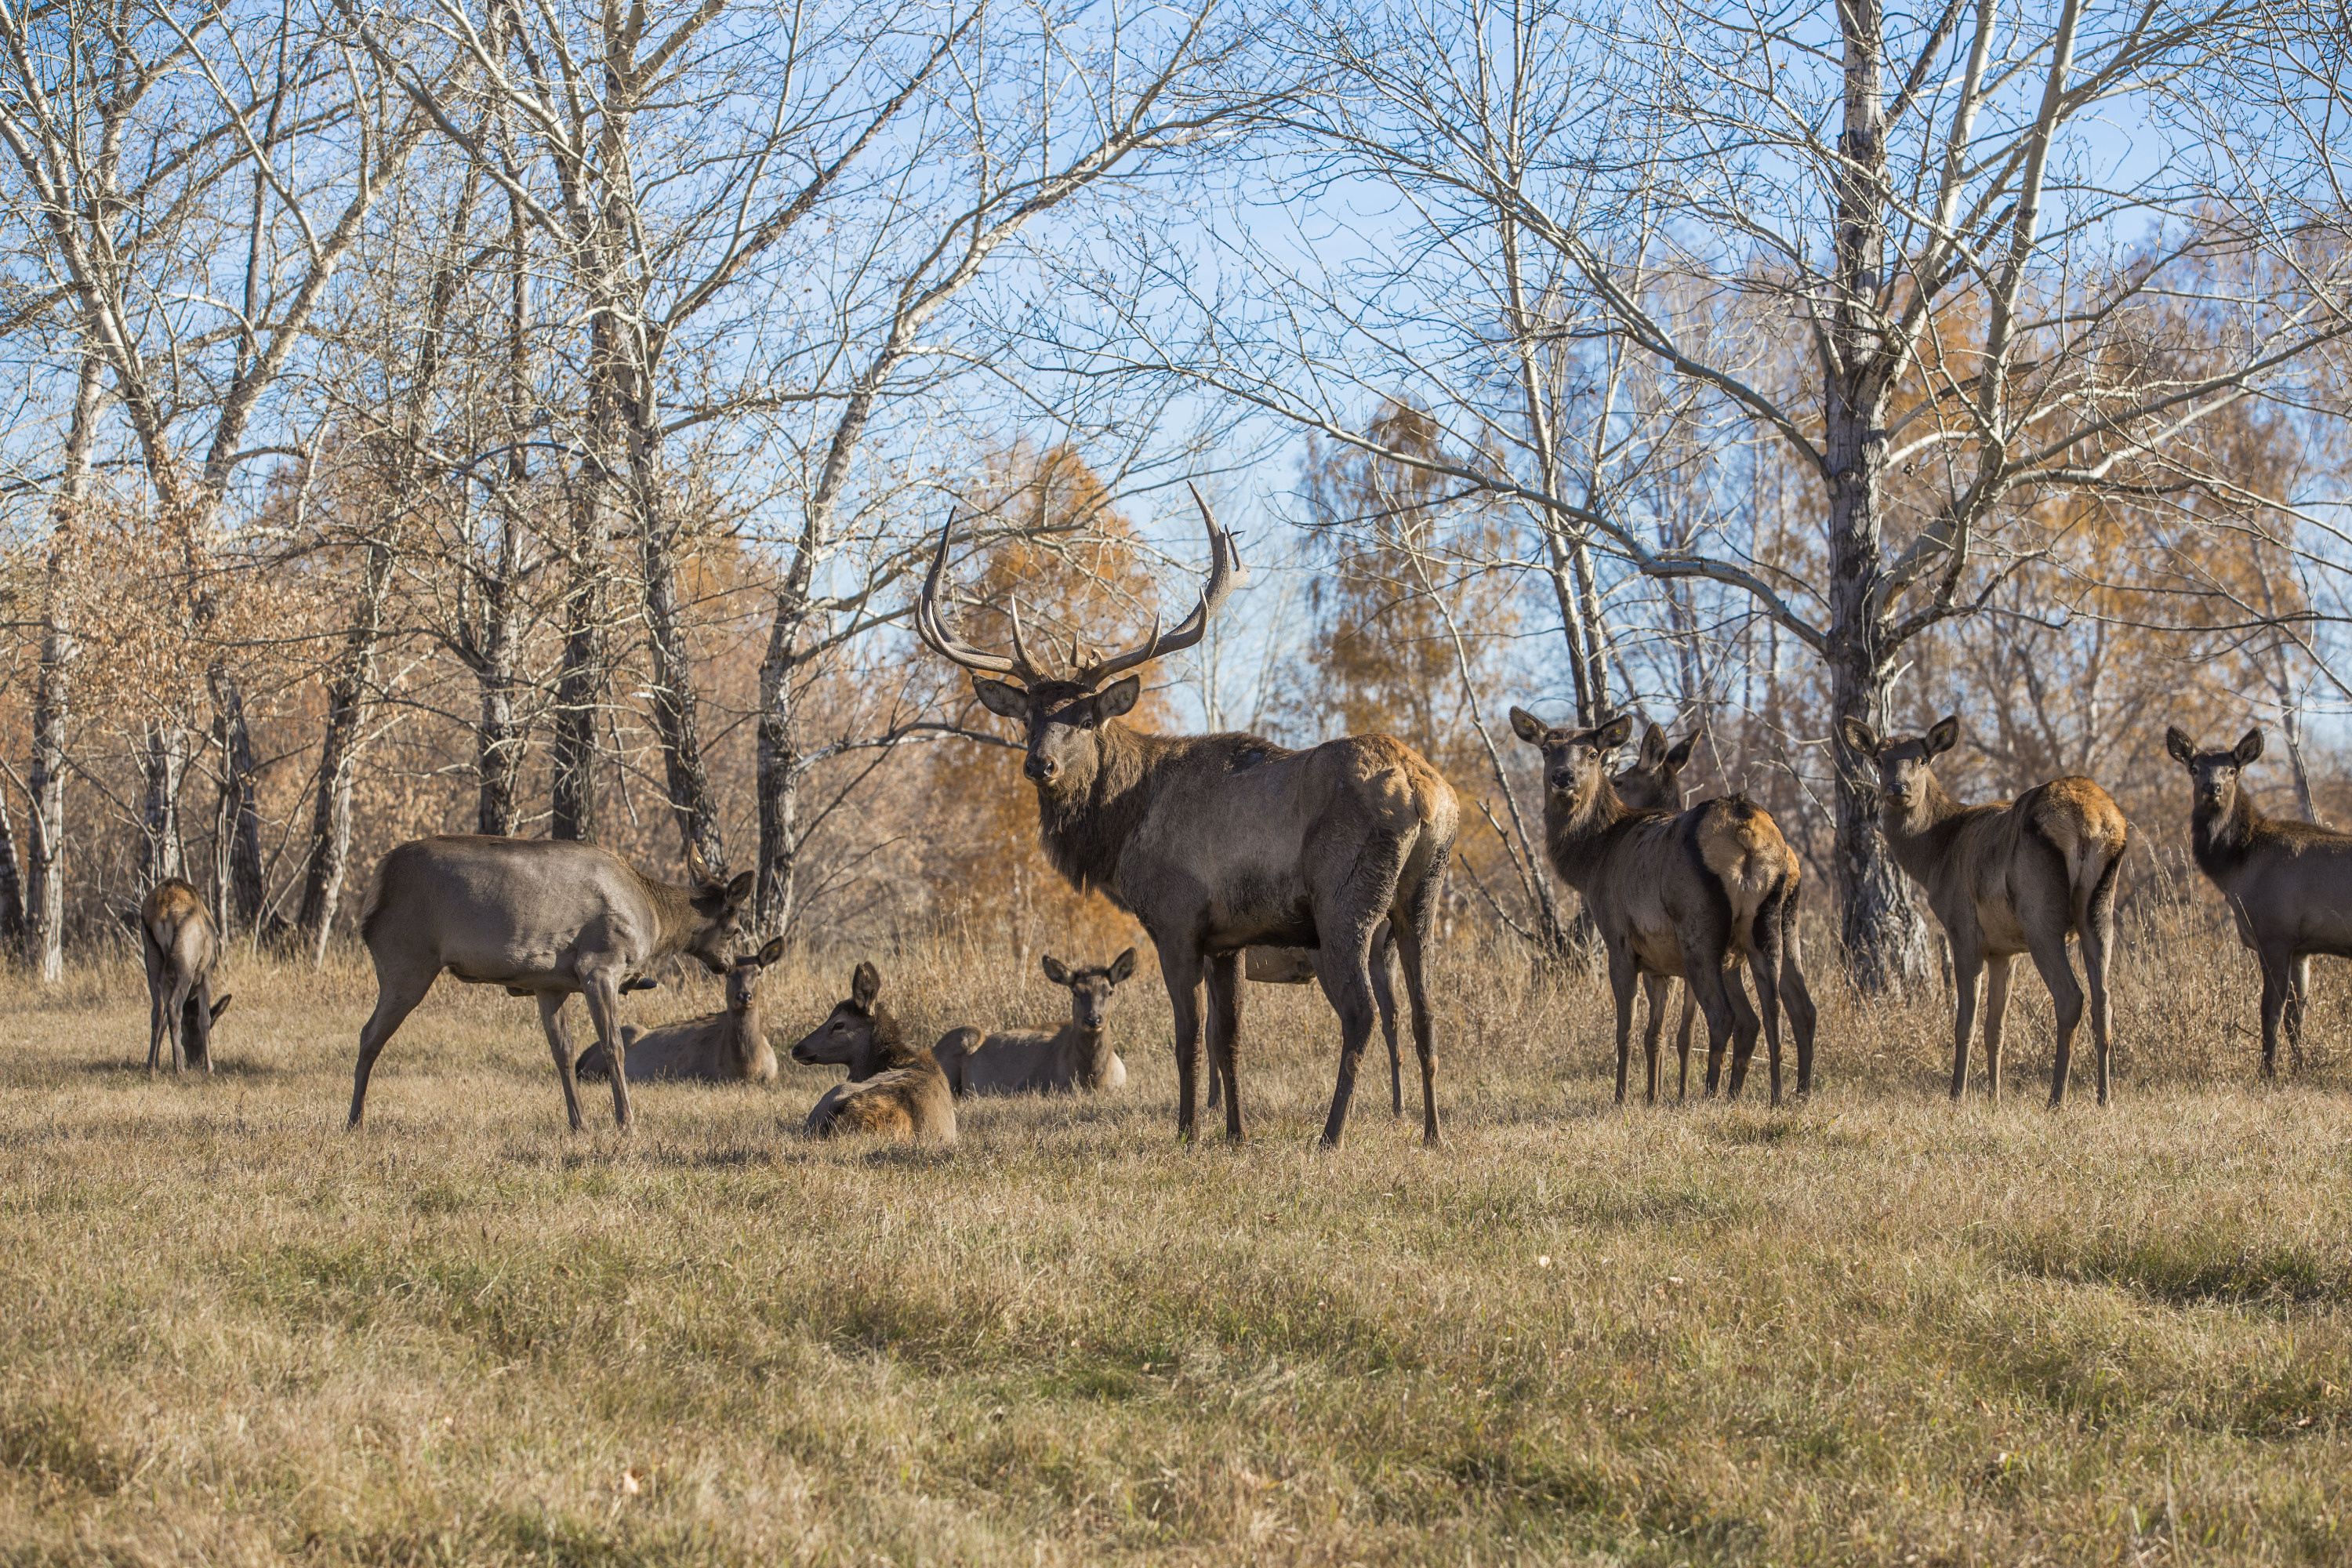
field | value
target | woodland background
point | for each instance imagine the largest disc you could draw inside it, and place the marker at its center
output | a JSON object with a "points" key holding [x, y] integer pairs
{"points": [[465, 417]]}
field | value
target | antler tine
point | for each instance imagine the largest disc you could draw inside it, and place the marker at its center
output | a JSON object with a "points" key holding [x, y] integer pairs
{"points": [[934, 632], [1021, 660], [1224, 570]]}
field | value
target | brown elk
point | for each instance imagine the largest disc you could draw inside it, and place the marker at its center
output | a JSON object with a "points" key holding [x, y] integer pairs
{"points": [[1296, 967], [730, 1045], [1679, 894], [2288, 883], [182, 948], [1218, 843], [894, 1089], [2006, 877], [544, 918], [1075, 1057], [1653, 783]]}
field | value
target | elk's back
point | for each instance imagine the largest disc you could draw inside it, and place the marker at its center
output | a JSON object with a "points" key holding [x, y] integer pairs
{"points": [[507, 911]]}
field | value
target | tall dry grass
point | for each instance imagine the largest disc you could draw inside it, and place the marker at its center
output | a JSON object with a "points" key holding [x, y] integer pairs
{"points": [[1869, 1329]]}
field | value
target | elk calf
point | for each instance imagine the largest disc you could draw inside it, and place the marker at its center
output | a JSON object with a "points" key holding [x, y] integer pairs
{"points": [[1016, 1062], [727, 1046], [1296, 967], [182, 948], [894, 1089], [1655, 784], [1682, 895], [542, 917], [2006, 877], [2288, 883]]}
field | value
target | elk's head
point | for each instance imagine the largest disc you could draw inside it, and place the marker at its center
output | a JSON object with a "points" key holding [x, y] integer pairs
{"points": [[845, 1038], [2214, 774], [1654, 782], [1090, 989], [1064, 713], [743, 975], [1903, 775], [717, 903], [1575, 761]]}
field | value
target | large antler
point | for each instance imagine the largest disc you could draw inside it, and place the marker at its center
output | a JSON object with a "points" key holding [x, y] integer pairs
{"points": [[934, 632], [1224, 567]]}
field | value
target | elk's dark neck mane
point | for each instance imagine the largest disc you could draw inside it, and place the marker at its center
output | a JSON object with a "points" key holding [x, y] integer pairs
{"points": [[1086, 822], [2222, 839], [1921, 836], [1579, 835], [890, 1049]]}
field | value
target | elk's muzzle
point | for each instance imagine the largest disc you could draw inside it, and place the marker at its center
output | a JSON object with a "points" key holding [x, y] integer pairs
{"points": [[1042, 769]]}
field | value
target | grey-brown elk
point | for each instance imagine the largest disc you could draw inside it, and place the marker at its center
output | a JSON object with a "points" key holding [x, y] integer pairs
{"points": [[1075, 1057], [544, 918], [2288, 883], [1219, 843], [2004, 878], [1676, 894], [730, 1045], [894, 1089], [182, 948], [1653, 783]]}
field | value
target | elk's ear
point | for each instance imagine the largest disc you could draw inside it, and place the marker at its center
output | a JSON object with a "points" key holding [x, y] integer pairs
{"points": [[1859, 736], [2183, 749], [1944, 735], [741, 888], [1653, 748], [1615, 733], [1679, 758], [1526, 727], [1055, 971], [773, 952], [1122, 967], [2250, 746], [221, 1006], [696, 870], [1004, 701], [1118, 697], [865, 986]]}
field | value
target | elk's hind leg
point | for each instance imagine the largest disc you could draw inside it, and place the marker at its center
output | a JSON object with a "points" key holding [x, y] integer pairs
{"points": [[1804, 1018], [2049, 949], [1409, 933], [1343, 965], [158, 992], [1224, 975], [1384, 995], [1654, 1028], [1764, 961], [2098, 931], [397, 996]]}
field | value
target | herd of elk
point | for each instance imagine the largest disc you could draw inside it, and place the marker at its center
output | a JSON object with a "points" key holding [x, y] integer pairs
{"points": [[1243, 858], [2006, 877], [1219, 843], [1075, 1057]]}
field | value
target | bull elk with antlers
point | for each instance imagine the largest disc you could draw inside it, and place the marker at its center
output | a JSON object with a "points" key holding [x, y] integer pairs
{"points": [[1218, 843]]}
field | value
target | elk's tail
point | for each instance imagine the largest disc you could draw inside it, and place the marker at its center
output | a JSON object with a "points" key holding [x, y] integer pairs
{"points": [[2086, 827], [1740, 844]]}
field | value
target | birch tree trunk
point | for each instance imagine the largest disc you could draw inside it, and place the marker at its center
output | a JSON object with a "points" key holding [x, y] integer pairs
{"points": [[44, 780]]}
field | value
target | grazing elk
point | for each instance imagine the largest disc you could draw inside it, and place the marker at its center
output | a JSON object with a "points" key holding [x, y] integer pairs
{"points": [[894, 1089], [542, 917], [1218, 843], [1680, 894], [727, 1046], [1296, 967], [2006, 877], [182, 948], [1653, 783], [2289, 883], [1077, 1056]]}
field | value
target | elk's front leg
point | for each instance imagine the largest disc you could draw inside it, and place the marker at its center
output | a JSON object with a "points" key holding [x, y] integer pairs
{"points": [[604, 999], [559, 1042], [1180, 968], [1622, 975], [1967, 963]]}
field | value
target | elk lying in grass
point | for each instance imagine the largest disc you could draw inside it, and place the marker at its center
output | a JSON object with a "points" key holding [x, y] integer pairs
{"points": [[182, 948], [727, 1046], [894, 1089], [1075, 1057], [1679, 895], [1218, 843], [542, 917], [1655, 784], [1296, 967], [2288, 883], [2006, 877]]}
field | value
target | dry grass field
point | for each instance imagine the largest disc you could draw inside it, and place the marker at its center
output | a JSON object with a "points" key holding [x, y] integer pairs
{"points": [[1870, 1329]]}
